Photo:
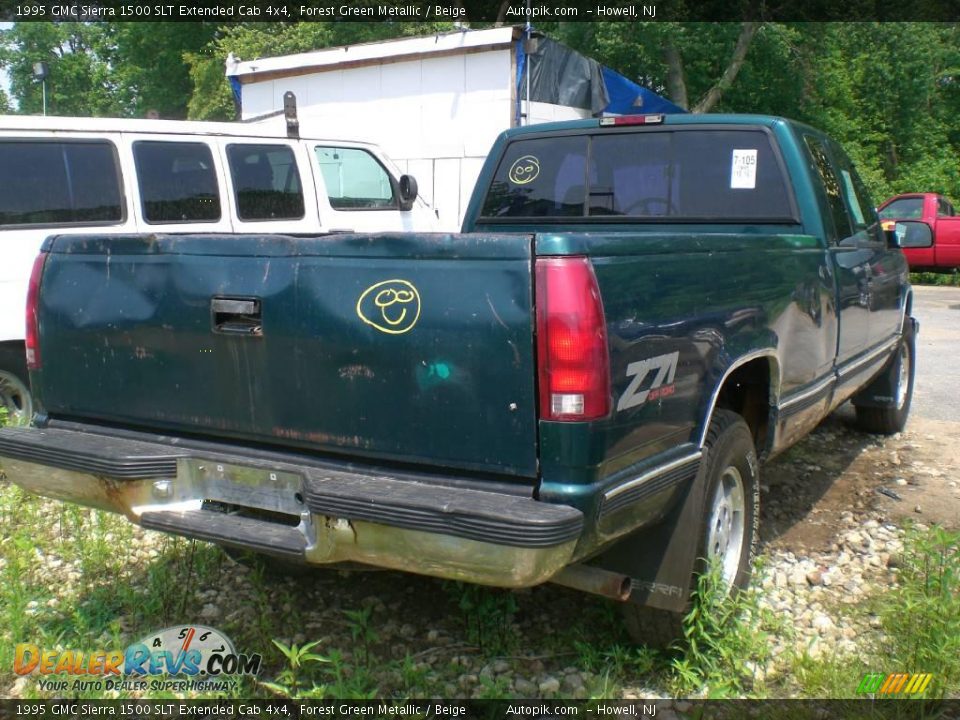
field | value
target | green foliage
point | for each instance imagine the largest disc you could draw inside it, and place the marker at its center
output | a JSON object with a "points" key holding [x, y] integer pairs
{"points": [[290, 680], [488, 615], [362, 631], [723, 641], [951, 279], [103, 69], [922, 618]]}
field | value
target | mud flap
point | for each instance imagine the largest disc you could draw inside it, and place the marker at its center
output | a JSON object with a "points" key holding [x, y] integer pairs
{"points": [[882, 390], [660, 560]]}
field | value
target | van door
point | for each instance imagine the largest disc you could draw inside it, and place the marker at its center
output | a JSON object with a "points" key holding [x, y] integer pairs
{"points": [[268, 183], [356, 192], [179, 184]]}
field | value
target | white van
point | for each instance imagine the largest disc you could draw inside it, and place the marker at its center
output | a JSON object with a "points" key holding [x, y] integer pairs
{"points": [[96, 175]]}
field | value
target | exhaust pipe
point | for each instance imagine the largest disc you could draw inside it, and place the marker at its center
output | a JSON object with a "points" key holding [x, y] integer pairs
{"points": [[595, 581]]}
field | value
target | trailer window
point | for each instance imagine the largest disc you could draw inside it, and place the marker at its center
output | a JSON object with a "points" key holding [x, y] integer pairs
{"points": [[266, 182], [59, 183], [355, 180], [177, 180], [676, 175]]}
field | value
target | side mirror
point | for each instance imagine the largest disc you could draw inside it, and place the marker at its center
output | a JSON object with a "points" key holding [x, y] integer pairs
{"points": [[408, 191], [910, 234]]}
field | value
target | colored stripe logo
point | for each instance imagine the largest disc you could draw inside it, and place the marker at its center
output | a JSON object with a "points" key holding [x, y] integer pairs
{"points": [[894, 683]]}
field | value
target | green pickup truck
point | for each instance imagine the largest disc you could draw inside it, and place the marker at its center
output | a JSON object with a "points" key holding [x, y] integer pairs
{"points": [[578, 388]]}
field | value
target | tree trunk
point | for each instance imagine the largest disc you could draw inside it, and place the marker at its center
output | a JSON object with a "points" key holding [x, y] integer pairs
{"points": [[706, 104], [676, 85]]}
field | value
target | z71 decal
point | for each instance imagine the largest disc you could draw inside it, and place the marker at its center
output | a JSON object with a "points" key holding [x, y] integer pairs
{"points": [[661, 387]]}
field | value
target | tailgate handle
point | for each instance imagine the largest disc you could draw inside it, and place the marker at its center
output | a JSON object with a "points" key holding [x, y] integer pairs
{"points": [[236, 316]]}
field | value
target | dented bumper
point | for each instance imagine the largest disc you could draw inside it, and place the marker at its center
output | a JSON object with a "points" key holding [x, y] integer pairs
{"points": [[312, 513]]}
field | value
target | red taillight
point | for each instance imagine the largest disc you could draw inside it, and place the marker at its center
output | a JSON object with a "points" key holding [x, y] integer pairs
{"points": [[33, 327], [571, 341]]}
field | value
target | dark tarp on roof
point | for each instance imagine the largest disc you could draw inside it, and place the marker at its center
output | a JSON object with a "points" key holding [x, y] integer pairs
{"points": [[561, 76]]}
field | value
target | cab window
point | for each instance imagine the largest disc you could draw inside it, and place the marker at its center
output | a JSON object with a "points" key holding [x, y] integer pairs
{"points": [[910, 208], [177, 180], [355, 180], [266, 182], [61, 182]]}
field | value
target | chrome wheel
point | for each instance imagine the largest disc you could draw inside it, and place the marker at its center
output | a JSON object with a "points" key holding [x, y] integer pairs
{"points": [[725, 529], [15, 398], [903, 381]]}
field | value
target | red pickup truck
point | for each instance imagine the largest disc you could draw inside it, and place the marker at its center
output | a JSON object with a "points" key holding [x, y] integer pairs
{"points": [[939, 214]]}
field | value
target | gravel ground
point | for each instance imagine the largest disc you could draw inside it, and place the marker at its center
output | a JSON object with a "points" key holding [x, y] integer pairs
{"points": [[829, 540]]}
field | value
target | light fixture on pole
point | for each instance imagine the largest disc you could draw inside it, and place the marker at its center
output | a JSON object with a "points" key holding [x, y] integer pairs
{"points": [[40, 72]]}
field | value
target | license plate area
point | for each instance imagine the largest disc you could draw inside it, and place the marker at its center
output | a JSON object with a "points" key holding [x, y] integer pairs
{"points": [[242, 485]]}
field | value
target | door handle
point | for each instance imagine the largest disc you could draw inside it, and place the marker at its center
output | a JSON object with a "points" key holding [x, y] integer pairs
{"points": [[236, 316]]}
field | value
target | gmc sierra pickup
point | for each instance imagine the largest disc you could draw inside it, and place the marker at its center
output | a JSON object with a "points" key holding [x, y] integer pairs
{"points": [[578, 388]]}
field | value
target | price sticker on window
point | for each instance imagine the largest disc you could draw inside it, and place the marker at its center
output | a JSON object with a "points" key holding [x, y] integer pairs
{"points": [[743, 170]]}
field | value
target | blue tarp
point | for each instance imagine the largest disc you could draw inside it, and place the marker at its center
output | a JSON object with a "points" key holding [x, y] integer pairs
{"points": [[628, 98]]}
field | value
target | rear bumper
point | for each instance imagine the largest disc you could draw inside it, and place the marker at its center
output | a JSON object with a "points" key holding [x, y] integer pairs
{"points": [[317, 515]]}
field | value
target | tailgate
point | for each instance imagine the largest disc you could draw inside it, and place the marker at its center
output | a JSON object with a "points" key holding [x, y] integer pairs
{"points": [[414, 348]]}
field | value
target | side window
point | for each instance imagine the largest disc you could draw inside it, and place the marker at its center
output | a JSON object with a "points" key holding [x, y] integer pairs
{"points": [[355, 180], [831, 187], [266, 182], [59, 183], [944, 208], [866, 223], [177, 181]]}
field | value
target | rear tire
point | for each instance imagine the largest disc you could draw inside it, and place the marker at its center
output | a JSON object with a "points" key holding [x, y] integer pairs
{"points": [[728, 528], [900, 373], [15, 394]]}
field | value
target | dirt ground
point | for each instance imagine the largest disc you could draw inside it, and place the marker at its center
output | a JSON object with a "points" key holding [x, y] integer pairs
{"points": [[913, 475]]}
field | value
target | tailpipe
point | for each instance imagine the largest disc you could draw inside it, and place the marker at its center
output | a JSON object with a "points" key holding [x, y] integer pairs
{"points": [[595, 581]]}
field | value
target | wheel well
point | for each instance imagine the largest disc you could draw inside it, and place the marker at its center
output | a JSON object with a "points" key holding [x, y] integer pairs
{"points": [[746, 391]]}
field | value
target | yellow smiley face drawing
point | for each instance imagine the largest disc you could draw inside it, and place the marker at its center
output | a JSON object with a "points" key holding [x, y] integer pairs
{"points": [[390, 306], [524, 170]]}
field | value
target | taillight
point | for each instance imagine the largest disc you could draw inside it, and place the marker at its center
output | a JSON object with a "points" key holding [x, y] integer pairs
{"points": [[33, 326], [571, 341]]}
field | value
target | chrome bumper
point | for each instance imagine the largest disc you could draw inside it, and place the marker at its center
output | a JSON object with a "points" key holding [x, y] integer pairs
{"points": [[313, 514]]}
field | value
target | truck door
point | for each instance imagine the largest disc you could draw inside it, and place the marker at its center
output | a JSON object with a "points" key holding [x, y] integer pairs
{"points": [[886, 267], [850, 261]]}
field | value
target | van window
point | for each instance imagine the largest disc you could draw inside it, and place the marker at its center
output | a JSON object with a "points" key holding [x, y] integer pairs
{"points": [[266, 182], [676, 175], [178, 182], [46, 182], [355, 180]]}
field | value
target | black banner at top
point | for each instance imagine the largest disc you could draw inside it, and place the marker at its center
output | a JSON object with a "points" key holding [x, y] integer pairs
{"points": [[478, 11]]}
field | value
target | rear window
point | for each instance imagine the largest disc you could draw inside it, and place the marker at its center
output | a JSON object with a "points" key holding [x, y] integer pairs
{"points": [[178, 182], [59, 183], [903, 209], [681, 175], [266, 182]]}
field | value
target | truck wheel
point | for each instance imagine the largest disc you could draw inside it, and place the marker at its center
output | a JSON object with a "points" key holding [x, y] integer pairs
{"points": [[728, 529], [899, 374], [15, 397]]}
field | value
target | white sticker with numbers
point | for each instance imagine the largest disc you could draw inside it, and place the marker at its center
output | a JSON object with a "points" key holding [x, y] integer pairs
{"points": [[743, 170]]}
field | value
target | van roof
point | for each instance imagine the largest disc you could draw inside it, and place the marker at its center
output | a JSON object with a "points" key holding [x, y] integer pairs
{"points": [[268, 127]]}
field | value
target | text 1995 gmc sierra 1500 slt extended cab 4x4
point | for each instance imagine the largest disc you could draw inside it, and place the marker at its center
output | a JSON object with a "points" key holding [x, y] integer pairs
{"points": [[577, 388]]}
